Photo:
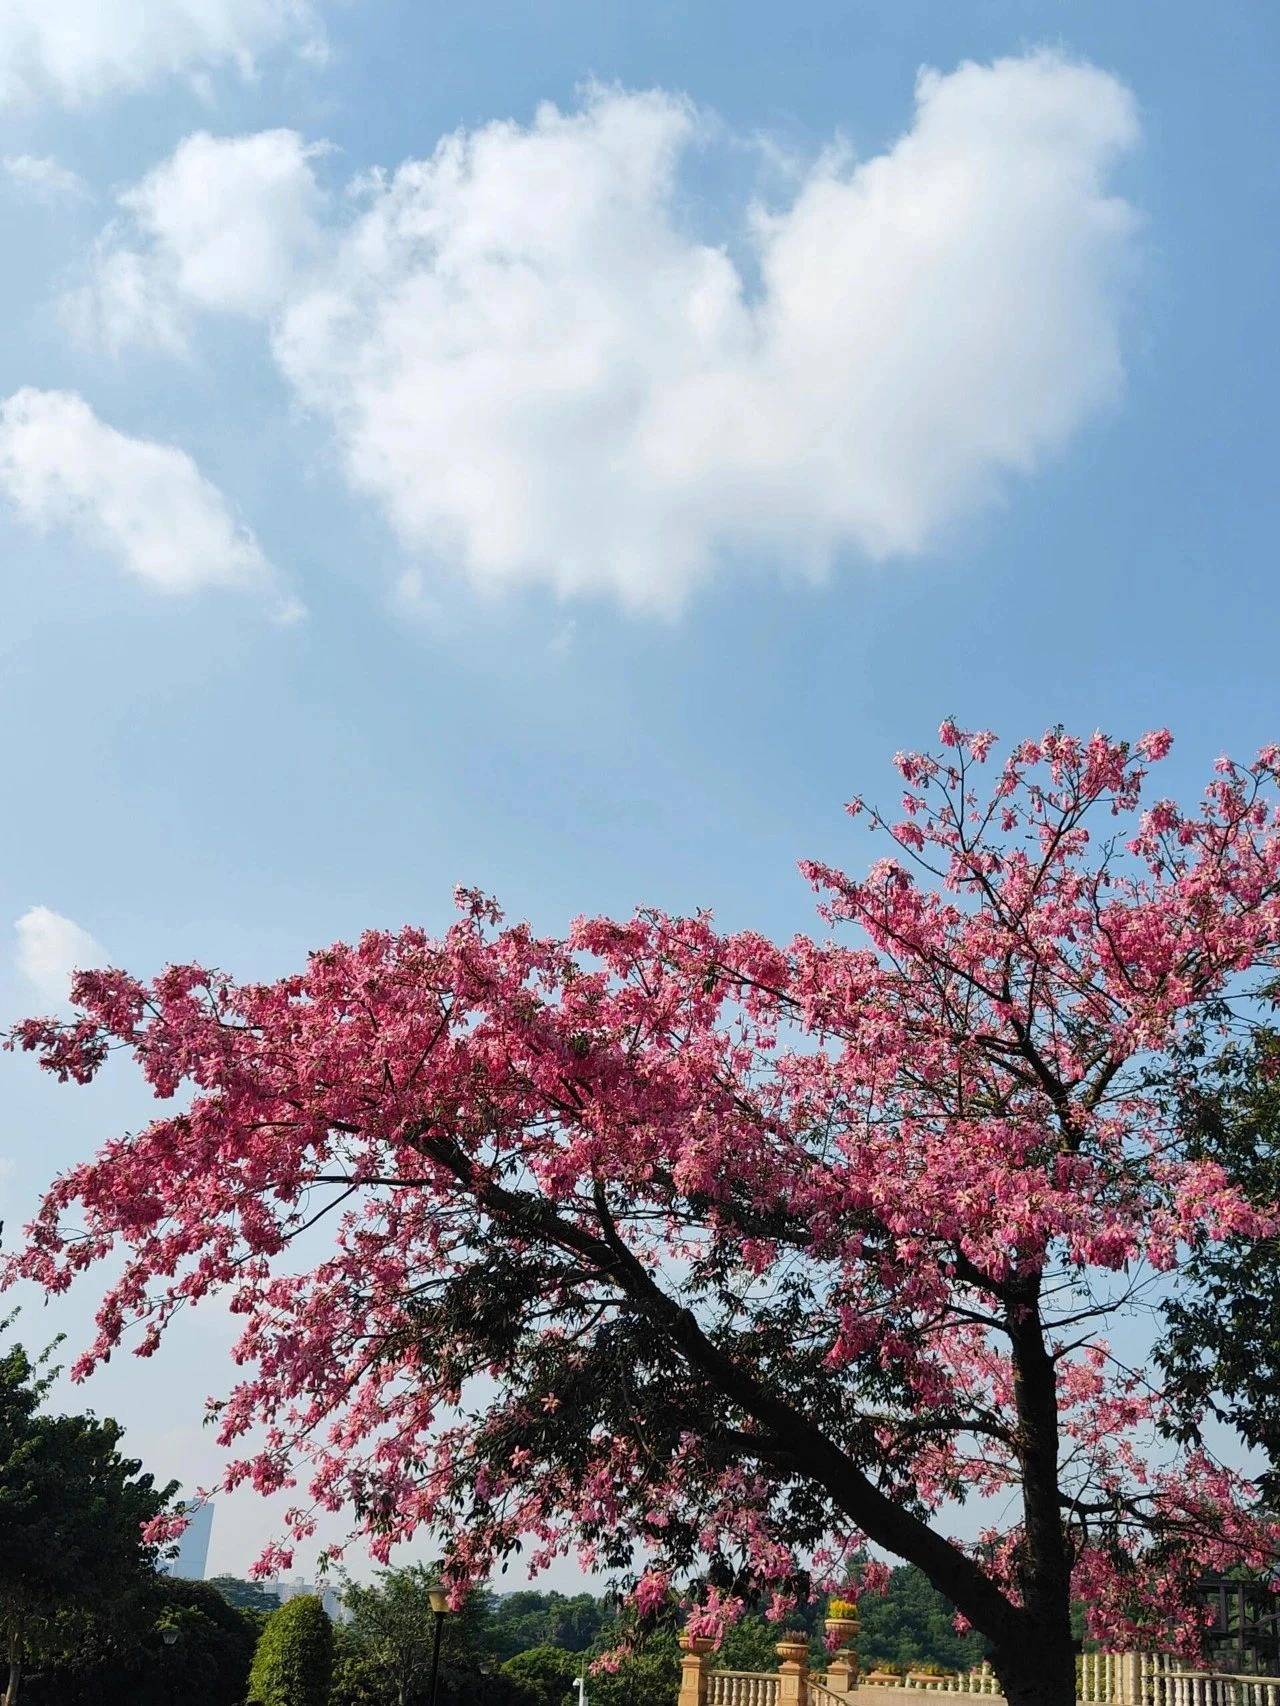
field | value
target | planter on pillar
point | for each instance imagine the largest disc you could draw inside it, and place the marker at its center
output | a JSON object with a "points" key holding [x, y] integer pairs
{"points": [[842, 1633], [693, 1669], [793, 1669]]}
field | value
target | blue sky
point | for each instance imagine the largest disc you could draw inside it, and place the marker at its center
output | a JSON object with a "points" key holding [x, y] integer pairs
{"points": [[537, 516]]}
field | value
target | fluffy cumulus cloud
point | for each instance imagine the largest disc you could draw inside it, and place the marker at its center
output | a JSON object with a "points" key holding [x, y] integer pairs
{"points": [[50, 948], [224, 223], [77, 51], [543, 374], [144, 504]]}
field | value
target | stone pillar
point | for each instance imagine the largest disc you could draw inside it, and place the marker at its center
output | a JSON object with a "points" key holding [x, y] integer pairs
{"points": [[842, 1672], [842, 1669], [793, 1670], [693, 1670]]}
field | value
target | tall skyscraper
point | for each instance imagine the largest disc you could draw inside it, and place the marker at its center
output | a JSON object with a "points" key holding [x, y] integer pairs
{"points": [[193, 1548]]}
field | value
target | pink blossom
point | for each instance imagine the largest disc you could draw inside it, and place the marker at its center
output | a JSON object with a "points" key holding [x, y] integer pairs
{"points": [[911, 1119]]}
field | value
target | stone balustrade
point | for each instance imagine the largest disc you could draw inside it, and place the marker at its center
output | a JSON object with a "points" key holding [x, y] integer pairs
{"points": [[1106, 1679], [742, 1688]]}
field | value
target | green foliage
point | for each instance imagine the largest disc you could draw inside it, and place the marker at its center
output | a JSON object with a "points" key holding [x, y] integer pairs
{"points": [[71, 1511], [520, 1621], [751, 1644], [247, 1596], [293, 1663], [384, 1654], [1222, 1339], [215, 1642], [545, 1675], [648, 1677], [525, 1648], [356, 1681], [911, 1626], [391, 1633], [125, 1660]]}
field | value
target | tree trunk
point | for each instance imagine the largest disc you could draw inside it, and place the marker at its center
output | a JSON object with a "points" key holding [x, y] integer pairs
{"points": [[1041, 1673], [15, 1664], [1038, 1668]]}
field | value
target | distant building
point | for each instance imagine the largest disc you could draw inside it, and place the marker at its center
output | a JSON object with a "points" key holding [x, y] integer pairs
{"points": [[329, 1596], [193, 1548]]}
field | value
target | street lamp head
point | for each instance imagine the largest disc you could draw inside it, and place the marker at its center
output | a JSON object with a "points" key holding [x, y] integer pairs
{"points": [[168, 1636], [439, 1598]]}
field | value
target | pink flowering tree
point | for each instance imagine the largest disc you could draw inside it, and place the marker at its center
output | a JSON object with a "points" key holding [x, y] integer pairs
{"points": [[710, 1259]]}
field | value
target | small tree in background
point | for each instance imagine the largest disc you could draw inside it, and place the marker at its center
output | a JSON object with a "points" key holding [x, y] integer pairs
{"points": [[215, 1643], [544, 1675], [72, 1513], [355, 1680], [393, 1628], [648, 1675], [293, 1663]]}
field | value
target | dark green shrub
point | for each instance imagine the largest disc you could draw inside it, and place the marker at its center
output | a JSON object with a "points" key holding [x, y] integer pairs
{"points": [[293, 1662], [545, 1675]]}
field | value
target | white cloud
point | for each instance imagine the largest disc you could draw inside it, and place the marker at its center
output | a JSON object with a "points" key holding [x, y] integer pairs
{"points": [[127, 301], [542, 374], [50, 948], [42, 177], [223, 223], [142, 503], [77, 51]]}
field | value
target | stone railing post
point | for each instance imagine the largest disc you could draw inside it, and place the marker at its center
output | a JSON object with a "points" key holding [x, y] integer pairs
{"points": [[842, 1668], [793, 1670], [693, 1670], [1129, 1691], [842, 1672]]}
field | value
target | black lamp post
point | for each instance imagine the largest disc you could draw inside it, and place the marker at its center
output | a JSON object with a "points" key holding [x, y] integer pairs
{"points": [[170, 1637], [439, 1608]]}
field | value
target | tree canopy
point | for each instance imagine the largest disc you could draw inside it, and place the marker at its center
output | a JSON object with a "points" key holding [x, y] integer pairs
{"points": [[911, 1624], [244, 1594], [1220, 1352], [544, 1675], [764, 1250], [293, 1662], [124, 1659], [72, 1514], [384, 1652], [394, 1627], [525, 1618]]}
